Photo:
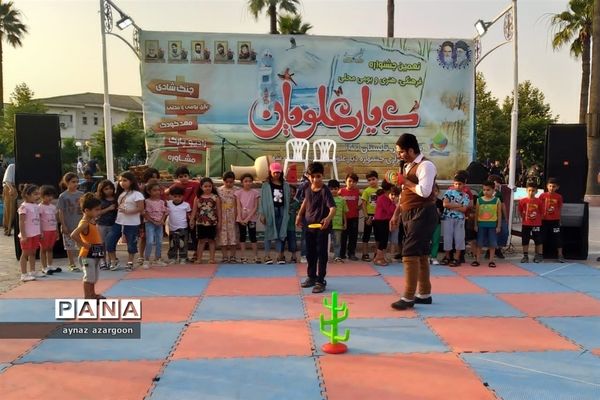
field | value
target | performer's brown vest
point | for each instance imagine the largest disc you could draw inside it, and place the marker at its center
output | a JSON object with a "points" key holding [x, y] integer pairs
{"points": [[410, 199]]}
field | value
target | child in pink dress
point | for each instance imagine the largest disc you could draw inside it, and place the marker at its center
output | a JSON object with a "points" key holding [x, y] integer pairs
{"points": [[228, 234], [29, 232], [49, 228]]}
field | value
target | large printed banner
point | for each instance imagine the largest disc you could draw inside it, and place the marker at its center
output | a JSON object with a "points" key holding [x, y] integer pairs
{"points": [[235, 97]]}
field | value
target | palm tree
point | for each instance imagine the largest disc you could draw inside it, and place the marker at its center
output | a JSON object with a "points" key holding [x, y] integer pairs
{"points": [[292, 25], [593, 143], [11, 30], [574, 27], [390, 18], [272, 7]]}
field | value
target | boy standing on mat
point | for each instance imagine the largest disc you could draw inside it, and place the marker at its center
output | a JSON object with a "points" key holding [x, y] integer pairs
{"points": [[318, 209]]}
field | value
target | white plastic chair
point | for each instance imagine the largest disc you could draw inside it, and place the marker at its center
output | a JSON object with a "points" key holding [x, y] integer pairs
{"points": [[296, 151], [322, 148]]}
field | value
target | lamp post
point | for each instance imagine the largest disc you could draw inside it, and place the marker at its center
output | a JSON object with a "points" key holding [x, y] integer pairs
{"points": [[106, 26], [510, 34]]}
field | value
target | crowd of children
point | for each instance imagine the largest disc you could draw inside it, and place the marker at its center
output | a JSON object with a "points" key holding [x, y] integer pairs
{"points": [[201, 215]]}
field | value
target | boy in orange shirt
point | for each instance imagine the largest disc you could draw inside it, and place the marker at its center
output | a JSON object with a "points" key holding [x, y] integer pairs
{"points": [[553, 203]]}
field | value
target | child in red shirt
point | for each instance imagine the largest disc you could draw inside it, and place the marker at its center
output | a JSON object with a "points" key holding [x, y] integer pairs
{"points": [[384, 211], [351, 194], [551, 216], [531, 210]]}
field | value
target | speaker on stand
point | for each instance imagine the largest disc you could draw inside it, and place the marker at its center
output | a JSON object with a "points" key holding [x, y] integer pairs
{"points": [[567, 161], [37, 159]]}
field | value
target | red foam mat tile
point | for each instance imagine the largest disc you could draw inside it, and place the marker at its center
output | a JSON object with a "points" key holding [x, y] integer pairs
{"points": [[360, 306], [225, 339], [497, 334], [440, 285], [79, 380], [410, 376], [167, 309], [253, 286], [47, 289], [553, 304]]}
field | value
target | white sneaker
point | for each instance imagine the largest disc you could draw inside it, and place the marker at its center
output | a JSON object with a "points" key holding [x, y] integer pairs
{"points": [[160, 263], [115, 266], [434, 261], [37, 274], [27, 278], [303, 260], [146, 265]]}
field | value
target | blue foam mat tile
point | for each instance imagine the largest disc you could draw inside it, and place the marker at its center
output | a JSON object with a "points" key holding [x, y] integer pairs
{"points": [[582, 283], [518, 284], [552, 375], [398, 270], [155, 344], [384, 335], [3, 367], [594, 294], [582, 330], [255, 270], [467, 305], [158, 287], [560, 269], [27, 310], [229, 308], [273, 378], [67, 275], [355, 285]]}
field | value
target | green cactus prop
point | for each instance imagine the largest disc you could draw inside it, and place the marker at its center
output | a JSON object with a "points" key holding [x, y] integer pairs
{"points": [[334, 346]]}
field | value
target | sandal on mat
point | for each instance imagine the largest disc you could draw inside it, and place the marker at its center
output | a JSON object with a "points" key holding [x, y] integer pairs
{"points": [[492, 265], [475, 264], [444, 261]]}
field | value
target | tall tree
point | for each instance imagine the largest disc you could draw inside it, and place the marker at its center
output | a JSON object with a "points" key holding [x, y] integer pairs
{"points": [[390, 18], [492, 126], [12, 30], [573, 27], [291, 24], [534, 116], [272, 8], [593, 142], [21, 101]]}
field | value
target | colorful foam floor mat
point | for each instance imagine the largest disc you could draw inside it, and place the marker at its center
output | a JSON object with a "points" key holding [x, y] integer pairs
{"points": [[519, 331]]}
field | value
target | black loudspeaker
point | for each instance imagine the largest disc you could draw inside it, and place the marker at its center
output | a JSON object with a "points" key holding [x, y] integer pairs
{"points": [[566, 159], [37, 159], [37, 149], [574, 228], [478, 173]]}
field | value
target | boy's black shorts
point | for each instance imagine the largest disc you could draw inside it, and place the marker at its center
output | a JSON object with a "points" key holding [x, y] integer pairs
{"points": [[529, 232]]}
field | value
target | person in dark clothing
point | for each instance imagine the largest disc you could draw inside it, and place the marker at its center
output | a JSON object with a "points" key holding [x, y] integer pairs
{"points": [[318, 209]]}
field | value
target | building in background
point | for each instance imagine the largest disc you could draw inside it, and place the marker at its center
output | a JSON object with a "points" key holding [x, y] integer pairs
{"points": [[81, 114]]}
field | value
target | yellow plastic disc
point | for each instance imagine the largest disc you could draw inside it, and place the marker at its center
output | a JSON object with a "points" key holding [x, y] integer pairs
{"points": [[314, 226]]}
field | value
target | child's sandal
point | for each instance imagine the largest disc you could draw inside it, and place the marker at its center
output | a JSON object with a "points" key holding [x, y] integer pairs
{"points": [[453, 263], [444, 261], [492, 264], [475, 264]]}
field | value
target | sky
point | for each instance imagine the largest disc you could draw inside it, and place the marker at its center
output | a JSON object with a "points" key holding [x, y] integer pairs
{"points": [[61, 54]]}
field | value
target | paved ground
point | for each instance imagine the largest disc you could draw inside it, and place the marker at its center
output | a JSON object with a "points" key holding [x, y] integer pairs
{"points": [[249, 332]]}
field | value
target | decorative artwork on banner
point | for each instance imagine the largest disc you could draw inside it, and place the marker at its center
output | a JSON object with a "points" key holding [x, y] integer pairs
{"points": [[223, 99]]}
